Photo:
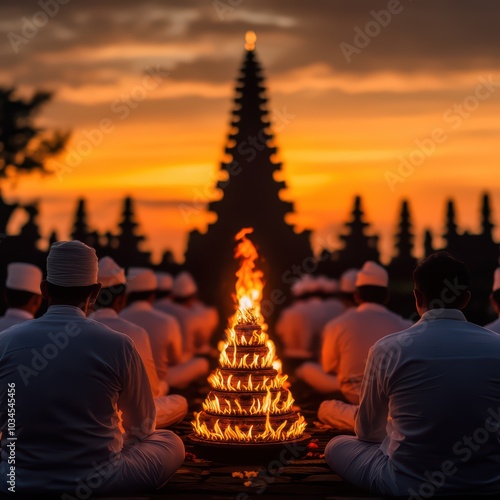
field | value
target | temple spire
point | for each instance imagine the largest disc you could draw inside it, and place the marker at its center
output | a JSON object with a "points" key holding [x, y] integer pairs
{"points": [[250, 195]]}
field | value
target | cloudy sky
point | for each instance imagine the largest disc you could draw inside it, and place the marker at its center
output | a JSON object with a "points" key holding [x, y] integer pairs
{"points": [[387, 99]]}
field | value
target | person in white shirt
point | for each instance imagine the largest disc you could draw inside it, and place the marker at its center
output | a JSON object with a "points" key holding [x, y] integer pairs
{"points": [[429, 417], [22, 293], [70, 376], [111, 300], [495, 302], [347, 339], [198, 322], [172, 365], [300, 325]]}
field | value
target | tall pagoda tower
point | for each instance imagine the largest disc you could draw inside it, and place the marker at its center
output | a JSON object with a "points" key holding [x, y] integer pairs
{"points": [[250, 197]]}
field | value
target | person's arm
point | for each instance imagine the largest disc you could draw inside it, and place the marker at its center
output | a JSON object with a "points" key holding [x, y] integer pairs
{"points": [[175, 349], [330, 354], [371, 419], [136, 399]]}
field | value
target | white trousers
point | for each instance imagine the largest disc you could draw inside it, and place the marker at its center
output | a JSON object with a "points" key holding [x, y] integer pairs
{"points": [[170, 410], [364, 465], [338, 414], [182, 374]]}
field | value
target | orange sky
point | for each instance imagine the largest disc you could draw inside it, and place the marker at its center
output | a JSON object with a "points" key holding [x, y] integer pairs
{"points": [[340, 127]]}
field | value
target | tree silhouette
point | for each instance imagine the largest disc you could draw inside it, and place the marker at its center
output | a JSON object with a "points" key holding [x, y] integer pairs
{"points": [[486, 224], [404, 237], [24, 147], [80, 229], [358, 246]]}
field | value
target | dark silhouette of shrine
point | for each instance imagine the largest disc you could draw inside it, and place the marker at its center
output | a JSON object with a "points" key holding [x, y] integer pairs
{"points": [[250, 197]]}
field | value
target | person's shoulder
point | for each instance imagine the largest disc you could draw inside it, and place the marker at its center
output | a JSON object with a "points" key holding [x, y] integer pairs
{"points": [[342, 319], [105, 331]]}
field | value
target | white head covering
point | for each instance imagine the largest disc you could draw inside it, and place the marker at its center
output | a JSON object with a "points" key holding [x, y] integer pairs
{"points": [[165, 281], [25, 277], [141, 279], [327, 285], [110, 273], [71, 263], [372, 274], [496, 279], [306, 284], [348, 281], [184, 285]]}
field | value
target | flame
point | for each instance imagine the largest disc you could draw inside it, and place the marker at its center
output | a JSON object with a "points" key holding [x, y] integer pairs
{"points": [[250, 39], [260, 378], [236, 434]]}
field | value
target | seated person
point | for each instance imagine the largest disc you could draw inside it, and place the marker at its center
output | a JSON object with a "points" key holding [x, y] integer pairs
{"points": [[22, 293], [111, 300], [70, 377], [347, 339], [174, 365], [428, 419], [495, 302]]}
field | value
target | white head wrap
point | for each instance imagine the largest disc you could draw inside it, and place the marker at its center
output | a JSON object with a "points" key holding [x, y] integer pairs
{"points": [[165, 281], [25, 277], [110, 273], [348, 281], [184, 285], [141, 279], [371, 274], [71, 263]]}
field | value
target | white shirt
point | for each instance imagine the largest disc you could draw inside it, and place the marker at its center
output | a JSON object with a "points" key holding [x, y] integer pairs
{"points": [[197, 324], [71, 376], [301, 324], [429, 389], [14, 316], [109, 317], [348, 338], [494, 326], [163, 330]]}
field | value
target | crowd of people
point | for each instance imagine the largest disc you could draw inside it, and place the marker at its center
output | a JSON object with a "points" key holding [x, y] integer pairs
{"points": [[93, 376]]}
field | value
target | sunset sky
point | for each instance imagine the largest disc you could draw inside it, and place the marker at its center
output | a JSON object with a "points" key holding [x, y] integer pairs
{"points": [[348, 108]]}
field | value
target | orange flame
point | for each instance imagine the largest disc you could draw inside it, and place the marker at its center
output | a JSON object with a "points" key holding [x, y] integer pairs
{"points": [[249, 350]]}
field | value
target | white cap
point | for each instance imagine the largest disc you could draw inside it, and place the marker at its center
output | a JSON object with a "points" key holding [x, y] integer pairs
{"points": [[165, 281], [306, 284], [110, 273], [25, 277], [496, 279], [327, 285], [348, 281], [184, 285], [71, 263], [371, 274], [141, 279]]}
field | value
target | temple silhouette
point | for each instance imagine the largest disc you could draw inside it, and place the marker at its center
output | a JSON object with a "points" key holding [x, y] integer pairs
{"points": [[250, 196]]}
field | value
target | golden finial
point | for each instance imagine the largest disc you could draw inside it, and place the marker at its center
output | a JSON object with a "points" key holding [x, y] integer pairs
{"points": [[250, 39]]}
